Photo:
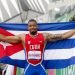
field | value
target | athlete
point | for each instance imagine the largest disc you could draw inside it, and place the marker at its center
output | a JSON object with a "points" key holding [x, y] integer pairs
{"points": [[34, 45]]}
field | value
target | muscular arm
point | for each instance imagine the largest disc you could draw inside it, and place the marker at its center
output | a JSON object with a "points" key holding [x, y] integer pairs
{"points": [[55, 37], [10, 39]]}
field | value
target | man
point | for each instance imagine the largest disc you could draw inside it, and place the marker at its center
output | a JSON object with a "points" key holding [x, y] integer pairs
{"points": [[34, 44]]}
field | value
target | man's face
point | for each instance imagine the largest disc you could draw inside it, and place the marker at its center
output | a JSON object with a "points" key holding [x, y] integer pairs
{"points": [[32, 27]]}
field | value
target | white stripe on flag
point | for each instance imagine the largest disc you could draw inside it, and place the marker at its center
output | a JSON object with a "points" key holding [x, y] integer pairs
{"points": [[19, 55], [49, 54], [59, 54]]}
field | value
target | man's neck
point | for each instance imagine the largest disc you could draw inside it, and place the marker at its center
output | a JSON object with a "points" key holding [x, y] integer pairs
{"points": [[33, 35]]}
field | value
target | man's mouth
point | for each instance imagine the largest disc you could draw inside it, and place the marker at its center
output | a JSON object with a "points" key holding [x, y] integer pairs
{"points": [[33, 32]]}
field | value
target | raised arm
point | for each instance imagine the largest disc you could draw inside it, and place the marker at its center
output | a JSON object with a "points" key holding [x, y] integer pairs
{"points": [[55, 37], [10, 39]]}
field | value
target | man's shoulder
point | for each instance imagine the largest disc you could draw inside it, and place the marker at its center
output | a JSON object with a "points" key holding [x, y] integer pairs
{"points": [[21, 35], [44, 34]]}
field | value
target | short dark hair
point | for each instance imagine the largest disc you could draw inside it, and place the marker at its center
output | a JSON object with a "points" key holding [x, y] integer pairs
{"points": [[32, 20]]}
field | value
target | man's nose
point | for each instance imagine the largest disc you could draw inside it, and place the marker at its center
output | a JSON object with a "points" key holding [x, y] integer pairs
{"points": [[33, 27]]}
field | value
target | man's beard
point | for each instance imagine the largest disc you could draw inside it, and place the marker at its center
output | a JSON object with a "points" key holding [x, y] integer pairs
{"points": [[33, 32]]}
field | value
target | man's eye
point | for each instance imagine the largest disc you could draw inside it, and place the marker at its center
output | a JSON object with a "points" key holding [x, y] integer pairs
{"points": [[29, 25]]}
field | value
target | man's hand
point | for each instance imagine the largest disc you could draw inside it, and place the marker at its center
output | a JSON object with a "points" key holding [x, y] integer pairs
{"points": [[1, 37]]}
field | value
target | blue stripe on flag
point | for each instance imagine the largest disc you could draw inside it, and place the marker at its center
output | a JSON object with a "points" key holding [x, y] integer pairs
{"points": [[58, 64], [15, 62], [62, 44], [42, 26], [48, 64]]}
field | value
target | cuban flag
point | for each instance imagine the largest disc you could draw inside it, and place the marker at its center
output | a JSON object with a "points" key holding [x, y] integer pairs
{"points": [[58, 54]]}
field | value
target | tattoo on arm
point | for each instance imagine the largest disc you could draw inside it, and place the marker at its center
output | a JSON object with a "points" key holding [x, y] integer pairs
{"points": [[54, 37]]}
